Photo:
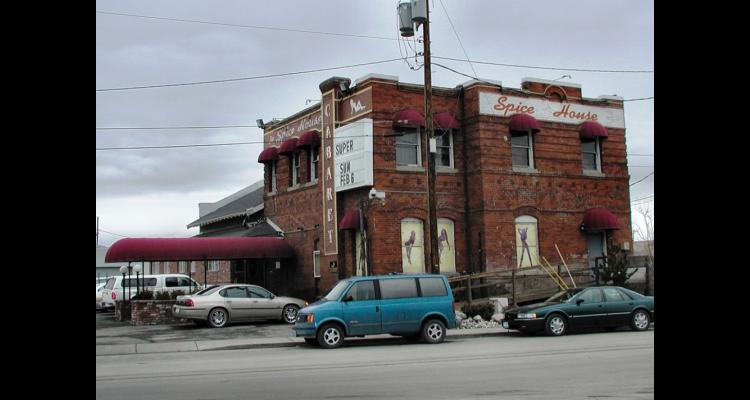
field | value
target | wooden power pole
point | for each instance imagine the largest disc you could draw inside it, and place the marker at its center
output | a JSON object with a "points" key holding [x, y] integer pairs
{"points": [[430, 133]]}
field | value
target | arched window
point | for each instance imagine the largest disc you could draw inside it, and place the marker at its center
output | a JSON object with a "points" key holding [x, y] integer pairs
{"points": [[446, 246], [412, 245], [527, 242]]}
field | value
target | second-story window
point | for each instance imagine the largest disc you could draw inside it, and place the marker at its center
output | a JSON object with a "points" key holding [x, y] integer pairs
{"points": [[590, 154], [523, 149], [408, 149], [294, 169], [444, 156], [273, 176], [314, 159]]}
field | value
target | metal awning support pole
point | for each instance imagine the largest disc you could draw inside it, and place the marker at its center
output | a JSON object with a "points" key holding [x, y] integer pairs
{"points": [[130, 272], [205, 272], [190, 276]]}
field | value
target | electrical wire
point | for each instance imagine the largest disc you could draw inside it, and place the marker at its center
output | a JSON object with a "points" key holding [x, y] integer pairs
{"points": [[548, 68], [642, 198], [244, 26], [457, 37], [246, 78], [112, 128], [642, 179]]}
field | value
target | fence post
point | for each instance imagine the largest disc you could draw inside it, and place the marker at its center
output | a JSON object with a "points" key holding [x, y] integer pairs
{"points": [[468, 289]]}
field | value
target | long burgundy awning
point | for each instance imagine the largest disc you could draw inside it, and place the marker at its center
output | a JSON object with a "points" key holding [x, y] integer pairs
{"points": [[445, 120], [593, 129], [309, 139], [268, 155], [350, 221], [288, 147], [523, 122], [200, 248], [599, 219], [408, 118]]}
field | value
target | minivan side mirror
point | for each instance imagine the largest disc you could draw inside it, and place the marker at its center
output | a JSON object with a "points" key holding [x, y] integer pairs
{"points": [[579, 301], [349, 298]]}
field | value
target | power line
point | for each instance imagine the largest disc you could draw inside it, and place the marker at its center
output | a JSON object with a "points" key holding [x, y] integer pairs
{"points": [[457, 37], [640, 166], [549, 68], [641, 155], [273, 28], [642, 198], [176, 146], [642, 98], [246, 78], [112, 233], [107, 128], [642, 179]]}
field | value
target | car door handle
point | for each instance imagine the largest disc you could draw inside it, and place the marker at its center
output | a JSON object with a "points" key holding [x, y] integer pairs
{"points": [[377, 308]]}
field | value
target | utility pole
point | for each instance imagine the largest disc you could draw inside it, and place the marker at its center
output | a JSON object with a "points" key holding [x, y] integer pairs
{"points": [[430, 133], [97, 231]]}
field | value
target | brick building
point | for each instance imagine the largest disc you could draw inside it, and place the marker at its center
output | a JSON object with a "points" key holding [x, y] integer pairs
{"points": [[518, 172]]}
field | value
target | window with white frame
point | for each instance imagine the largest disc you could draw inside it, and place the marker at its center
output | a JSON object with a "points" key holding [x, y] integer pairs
{"points": [[213, 265], [408, 149], [522, 144], [316, 264], [591, 154], [314, 159], [527, 242], [273, 176], [412, 245], [444, 156], [294, 169], [183, 266], [192, 267], [156, 268]]}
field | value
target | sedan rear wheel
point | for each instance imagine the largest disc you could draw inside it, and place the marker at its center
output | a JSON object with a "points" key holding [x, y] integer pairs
{"points": [[640, 320], [290, 314], [556, 325], [218, 317]]}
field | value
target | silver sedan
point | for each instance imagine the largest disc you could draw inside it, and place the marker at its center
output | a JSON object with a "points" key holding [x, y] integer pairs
{"points": [[221, 304]]}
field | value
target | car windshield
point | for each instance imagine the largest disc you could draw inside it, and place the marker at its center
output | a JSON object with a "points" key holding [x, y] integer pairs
{"points": [[563, 297], [337, 290]]}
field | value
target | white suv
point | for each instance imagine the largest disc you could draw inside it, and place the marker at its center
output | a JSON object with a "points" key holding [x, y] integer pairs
{"points": [[113, 290]]}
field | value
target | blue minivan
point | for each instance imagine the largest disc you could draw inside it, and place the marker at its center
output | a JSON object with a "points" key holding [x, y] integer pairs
{"points": [[415, 306]]}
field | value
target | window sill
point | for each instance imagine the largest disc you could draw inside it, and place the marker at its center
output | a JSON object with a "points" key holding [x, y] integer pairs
{"points": [[409, 168], [593, 172], [526, 170], [293, 188], [446, 170], [313, 183], [274, 193]]}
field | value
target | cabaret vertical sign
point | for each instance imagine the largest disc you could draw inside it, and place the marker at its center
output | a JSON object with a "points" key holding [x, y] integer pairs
{"points": [[330, 231]]}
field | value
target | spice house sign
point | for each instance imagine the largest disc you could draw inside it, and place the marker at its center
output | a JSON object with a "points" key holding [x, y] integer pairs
{"points": [[544, 110]]}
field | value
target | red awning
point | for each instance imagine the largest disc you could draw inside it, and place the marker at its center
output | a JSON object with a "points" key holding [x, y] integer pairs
{"points": [[523, 122], [268, 155], [408, 118], [309, 139], [599, 219], [198, 248], [445, 120], [350, 221], [288, 147], [593, 129]]}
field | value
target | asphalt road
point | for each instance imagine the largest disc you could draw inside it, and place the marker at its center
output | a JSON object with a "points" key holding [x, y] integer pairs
{"points": [[615, 365]]}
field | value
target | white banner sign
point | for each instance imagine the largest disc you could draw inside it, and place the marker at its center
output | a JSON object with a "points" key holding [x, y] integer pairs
{"points": [[353, 155], [545, 110]]}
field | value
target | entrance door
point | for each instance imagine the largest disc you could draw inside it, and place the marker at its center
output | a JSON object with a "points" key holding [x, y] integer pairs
{"points": [[595, 245]]}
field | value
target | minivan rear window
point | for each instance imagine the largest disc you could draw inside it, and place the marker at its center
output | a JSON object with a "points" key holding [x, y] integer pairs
{"points": [[110, 283], [398, 288], [432, 287]]}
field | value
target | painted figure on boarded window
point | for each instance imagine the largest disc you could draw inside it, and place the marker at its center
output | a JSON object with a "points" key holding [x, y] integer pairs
{"points": [[443, 238], [524, 246], [409, 243]]}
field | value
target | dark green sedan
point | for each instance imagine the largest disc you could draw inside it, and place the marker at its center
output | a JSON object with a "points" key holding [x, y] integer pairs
{"points": [[605, 307]]}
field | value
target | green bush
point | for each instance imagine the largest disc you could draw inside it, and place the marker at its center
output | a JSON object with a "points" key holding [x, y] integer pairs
{"points": [[484, 309], [163, 296], [177, 293], [145, 294]]}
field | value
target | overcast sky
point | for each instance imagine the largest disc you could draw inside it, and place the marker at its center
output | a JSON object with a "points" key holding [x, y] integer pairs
{"points": [[155, 192]]}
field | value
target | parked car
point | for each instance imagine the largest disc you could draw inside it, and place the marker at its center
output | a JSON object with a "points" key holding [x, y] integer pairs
{"points": [[222, 304], [99, 303], [113, 289], [607, 307], [413, 306]]}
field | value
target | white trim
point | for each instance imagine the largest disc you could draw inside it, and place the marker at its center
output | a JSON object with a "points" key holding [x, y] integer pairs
{"points": [[483, 81], [316, 253], [274, 226], [376, 76], [548, 82], [605, 97]]}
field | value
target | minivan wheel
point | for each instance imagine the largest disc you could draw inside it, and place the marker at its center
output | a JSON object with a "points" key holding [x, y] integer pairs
{"points": [[218, 317], [640, 320], [433, 331], [556, 325], [330, 336], [290, 314]]}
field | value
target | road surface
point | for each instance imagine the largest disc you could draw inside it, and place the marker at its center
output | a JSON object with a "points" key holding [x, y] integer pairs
{"points": [[614, 365]]}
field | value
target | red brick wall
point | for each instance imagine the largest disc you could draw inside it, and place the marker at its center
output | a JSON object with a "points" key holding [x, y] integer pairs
{"points": [[557, 195]]}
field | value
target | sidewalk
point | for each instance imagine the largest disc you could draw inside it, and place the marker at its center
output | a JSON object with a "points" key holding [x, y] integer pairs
{"points": [[267, 342]]}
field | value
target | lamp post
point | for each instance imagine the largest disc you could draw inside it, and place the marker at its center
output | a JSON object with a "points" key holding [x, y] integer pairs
{"points": [[138, 268], [123, 271]]}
